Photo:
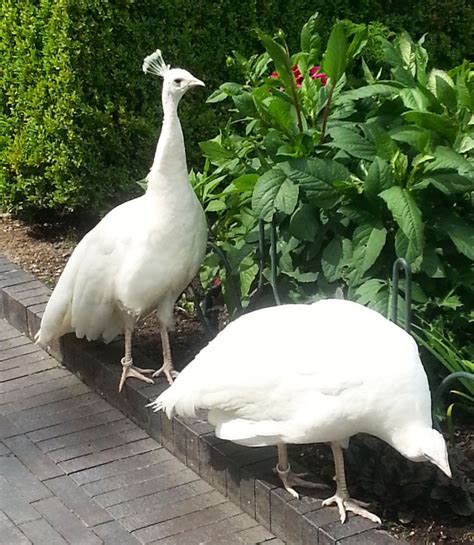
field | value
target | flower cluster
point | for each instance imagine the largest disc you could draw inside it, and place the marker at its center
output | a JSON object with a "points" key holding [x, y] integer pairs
{"points": [[314, 74]]}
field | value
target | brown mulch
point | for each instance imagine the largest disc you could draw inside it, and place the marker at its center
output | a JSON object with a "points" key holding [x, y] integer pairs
{"points": [[43, 250]]}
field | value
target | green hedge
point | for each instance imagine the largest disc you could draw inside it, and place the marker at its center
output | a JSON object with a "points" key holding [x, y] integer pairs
{"points": [[78, 119]]}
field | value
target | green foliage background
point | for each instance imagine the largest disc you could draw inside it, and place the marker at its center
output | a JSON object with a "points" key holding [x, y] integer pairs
{"points": [[78, 119]]}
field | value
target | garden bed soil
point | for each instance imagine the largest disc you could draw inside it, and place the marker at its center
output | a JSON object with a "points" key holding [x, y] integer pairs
{"points": [[43, 249]]}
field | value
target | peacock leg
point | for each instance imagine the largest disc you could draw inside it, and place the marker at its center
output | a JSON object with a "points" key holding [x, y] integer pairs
{"points": [[128, 369], [341, 497], [288, 478], [167, 368]]}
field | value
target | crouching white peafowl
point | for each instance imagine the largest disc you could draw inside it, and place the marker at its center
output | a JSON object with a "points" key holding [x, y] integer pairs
{"points": [[313, 373], [143, 254]]}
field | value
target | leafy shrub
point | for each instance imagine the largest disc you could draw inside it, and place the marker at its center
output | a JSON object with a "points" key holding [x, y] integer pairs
{"points": [[353, 177], [78, 121]]}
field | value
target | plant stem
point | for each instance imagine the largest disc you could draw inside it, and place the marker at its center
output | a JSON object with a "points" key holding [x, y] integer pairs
{"points": [[326, 114], [294, 97]]}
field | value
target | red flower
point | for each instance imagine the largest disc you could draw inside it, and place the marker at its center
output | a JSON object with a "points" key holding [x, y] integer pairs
{"points": [[314, 73]]}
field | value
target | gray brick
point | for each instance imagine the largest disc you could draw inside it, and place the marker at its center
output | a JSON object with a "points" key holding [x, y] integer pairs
{"points": [[106, 442], [159, 499], [113, 533], [100, 458], [9, 359], [33, 402], [14, 504], [335, 531], [42, 533], [7, 427], [29, 422], [78, 501], [24, 366], [13, 342], [188, 522], [134, 476], [146, 488], [120, 466], [252, 536], [172, 510], [9, 534], [25, 397], [66, 523], [211, 531], [31, 456], [87, 436], [372, 537], [34, 379], [81, 423], [22, 479]]}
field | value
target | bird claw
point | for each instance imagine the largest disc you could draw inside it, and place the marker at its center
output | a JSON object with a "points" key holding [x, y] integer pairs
{"points": [[345, 503], [134, 372], [169, 372], [290, 480]]}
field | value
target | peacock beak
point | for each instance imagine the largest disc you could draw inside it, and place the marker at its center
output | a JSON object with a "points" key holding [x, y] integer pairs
{"points": [[197, 83]]}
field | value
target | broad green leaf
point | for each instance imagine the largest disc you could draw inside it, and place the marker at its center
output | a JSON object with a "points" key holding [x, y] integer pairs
{"points": [[412, 135], [332, 260], [316, 178], [379, 177], [304, 223], [351, 142], [335, 57], [368, 242], [369, 91], [460, 232], [216, 206], [447, 159], [431, 264], [287, 197], [266, 191], [283, 115], [375, 293], [385, 146], [246, 182], [281, 59], [215, 151], [448, 183], [442, 86], [245, 104], [406, 213], [309, 36], [433, 122], [225, 90], [247, 276], [414, 99], [407, 249]]}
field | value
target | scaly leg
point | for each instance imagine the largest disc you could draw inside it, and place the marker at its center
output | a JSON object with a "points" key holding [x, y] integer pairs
{"points": [[128, 369], [341, 497], [288, 478], [167, 368]]}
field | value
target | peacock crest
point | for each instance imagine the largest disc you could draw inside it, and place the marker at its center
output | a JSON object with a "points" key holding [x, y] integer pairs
{"points": [[155, 64]]}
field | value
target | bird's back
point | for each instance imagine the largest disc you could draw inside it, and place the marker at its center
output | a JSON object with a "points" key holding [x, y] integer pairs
{"points": [[315, 364]]}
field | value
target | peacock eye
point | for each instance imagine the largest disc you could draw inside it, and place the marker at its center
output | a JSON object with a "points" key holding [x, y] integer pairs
{"points": [[178, 81]]}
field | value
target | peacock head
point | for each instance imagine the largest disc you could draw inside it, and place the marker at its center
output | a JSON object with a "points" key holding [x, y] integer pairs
{"points": [[422, 444], [176, 81]]}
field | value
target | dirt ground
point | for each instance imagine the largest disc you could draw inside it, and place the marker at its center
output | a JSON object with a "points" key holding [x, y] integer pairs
{"points": [[44, 249]]}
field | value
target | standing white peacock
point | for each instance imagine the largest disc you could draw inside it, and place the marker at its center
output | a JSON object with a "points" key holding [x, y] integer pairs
{"points": [[143, 254], [313, 373]]}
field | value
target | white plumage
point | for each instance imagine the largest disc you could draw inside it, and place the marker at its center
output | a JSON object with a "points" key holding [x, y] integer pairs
{"points": [[312, 373], [143, 253]]}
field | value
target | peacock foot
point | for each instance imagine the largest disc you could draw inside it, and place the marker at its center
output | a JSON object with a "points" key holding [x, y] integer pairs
{"points": [[346, 503], [290, 479], [129, 370], [168, 370]]}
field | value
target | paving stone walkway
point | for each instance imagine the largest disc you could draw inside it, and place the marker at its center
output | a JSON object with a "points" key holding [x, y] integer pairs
{"points": [[74, 470]]}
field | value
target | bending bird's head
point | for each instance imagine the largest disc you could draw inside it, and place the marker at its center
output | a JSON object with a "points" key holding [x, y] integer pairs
{"points": [[424, 445]]}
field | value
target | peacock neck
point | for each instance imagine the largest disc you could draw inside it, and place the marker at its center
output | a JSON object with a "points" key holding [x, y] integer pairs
{"points": [[169, 165]]}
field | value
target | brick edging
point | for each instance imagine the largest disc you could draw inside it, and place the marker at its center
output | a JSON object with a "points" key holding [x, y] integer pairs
{"points": [[242, 474]]}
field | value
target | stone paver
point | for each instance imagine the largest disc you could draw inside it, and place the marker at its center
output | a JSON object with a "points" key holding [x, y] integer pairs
{"points": [[74, 470]]}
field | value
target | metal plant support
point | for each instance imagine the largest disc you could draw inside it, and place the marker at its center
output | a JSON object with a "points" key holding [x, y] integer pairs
{"points": [[398, 264]]}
